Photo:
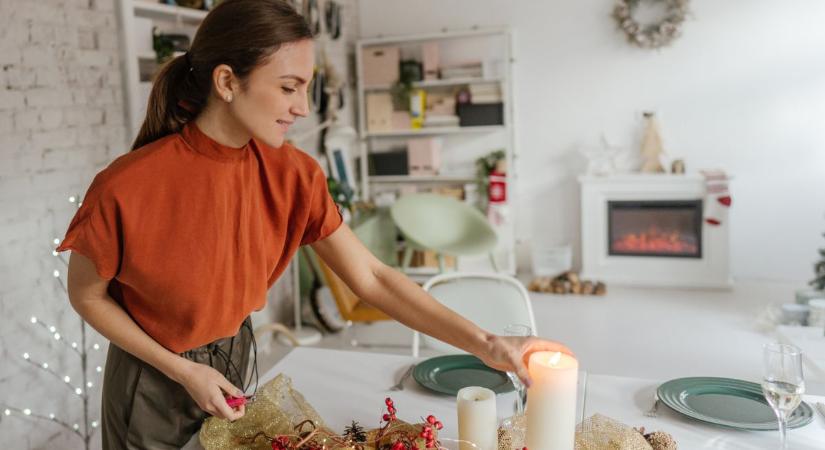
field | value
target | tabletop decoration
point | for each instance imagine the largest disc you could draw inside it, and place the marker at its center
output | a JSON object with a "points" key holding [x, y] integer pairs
{"points": [[597, 432], [281, 419]]}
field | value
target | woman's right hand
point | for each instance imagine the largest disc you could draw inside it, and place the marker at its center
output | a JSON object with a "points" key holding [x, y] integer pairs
{"points": [[207, 387]]}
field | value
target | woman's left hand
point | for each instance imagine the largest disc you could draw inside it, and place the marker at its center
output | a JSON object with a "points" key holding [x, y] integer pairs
{"points": [[510, 354]]}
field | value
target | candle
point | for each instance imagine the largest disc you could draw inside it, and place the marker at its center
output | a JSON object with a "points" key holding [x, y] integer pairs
{"points": [[477, 419], [551, 401]]}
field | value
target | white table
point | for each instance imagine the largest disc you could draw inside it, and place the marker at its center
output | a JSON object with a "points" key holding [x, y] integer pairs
{"points": [[345, 386]]}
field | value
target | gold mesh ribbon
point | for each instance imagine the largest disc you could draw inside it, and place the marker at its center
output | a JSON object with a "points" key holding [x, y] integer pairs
{"points": [[278, 410], [597, 432]]}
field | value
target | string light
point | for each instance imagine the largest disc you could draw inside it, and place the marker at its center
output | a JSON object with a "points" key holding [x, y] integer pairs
{"points": [[94, 424], [74, 344], [45, 365], [34, 319], [51, 416], [7, 412], [57, 336], [66, 379], [99, 369], [55, 253], [89, 384], [26, 356], [78, 391], [72, 199], [27, 412], [56, 241], [76, 427], [56, 273], [96, 347], [52, 329]]}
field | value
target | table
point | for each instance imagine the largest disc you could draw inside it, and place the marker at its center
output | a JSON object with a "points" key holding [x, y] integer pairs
{"points": [[345, 386]]}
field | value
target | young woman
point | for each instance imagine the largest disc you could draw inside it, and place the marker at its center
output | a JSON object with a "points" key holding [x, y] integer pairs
{"points": [[177, 241]]}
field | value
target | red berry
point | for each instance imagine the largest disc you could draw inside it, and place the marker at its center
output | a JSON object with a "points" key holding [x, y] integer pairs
{"points": [[439, 425], [391, 409], [431, 419], [388, 401], [386, 417]]}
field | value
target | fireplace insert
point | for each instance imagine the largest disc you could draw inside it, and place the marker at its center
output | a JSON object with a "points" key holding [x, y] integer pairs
{"points": [[655, 228]]}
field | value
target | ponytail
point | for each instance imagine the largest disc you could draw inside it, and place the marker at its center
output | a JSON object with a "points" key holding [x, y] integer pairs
{"points": [[239, 33]]}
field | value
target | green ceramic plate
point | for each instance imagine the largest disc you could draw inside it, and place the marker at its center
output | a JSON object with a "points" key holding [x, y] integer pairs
{"points": [[727, 402], [447, 374]]}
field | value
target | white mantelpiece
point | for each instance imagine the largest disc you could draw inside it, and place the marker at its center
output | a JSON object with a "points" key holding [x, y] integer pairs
{"points": [[711, 270]]}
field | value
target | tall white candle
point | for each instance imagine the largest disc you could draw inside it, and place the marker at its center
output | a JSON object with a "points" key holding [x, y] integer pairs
{"points": [[551, 401], [477, 420]]}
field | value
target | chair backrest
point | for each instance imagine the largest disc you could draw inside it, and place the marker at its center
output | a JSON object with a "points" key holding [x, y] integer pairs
{"points": [[491, 301], [443, 223]]}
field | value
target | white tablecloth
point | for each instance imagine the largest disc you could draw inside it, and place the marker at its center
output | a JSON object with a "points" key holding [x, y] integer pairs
{"points": [[345, 386]]}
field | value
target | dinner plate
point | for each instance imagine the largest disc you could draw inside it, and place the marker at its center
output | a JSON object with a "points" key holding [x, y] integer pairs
{"points": [[727, 402], [450, 373]]}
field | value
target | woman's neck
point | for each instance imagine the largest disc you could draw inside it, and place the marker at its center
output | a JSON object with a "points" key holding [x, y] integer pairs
{"points": [[217, 123]]}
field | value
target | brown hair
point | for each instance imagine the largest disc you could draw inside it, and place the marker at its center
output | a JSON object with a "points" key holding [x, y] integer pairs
{"points": [[239, 33]]}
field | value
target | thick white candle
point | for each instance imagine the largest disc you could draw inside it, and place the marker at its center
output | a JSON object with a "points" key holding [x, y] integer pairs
{"points": [[551, 401], [477, 420]]}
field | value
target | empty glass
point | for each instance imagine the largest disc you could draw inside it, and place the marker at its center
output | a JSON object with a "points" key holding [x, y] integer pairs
{"points": [[783, 383], [518, 329]]}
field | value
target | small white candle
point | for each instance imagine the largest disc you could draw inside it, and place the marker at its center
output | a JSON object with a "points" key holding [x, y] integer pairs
{"points": [[551, 401], [477, 420]]}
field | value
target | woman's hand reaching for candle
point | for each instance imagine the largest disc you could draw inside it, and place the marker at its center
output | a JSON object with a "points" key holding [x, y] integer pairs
{"points": [[511, 353]]}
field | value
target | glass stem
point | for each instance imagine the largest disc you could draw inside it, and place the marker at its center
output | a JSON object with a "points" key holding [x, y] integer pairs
{"points": [[783, 432]]}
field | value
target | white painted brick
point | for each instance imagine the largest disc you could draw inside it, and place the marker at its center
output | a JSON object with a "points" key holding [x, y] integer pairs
{"points": [[62, 137], [87, 39], [26, 119], [65, 36], [114, 115], [14, 33], [51, 118], [41, 34], [6, 122], [48, 97], [103, 5], [39, 56], [93, 58], [11, 99], [10, 55], [48, 76], [19, 78], [107, 39]]}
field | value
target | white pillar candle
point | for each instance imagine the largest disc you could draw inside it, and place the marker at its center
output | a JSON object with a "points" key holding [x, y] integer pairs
{"points": [[477, 419], [551, 401]]}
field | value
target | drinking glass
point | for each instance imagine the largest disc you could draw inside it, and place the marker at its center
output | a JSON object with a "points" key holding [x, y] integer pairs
{"points": [[518, 329], [783, 383]]}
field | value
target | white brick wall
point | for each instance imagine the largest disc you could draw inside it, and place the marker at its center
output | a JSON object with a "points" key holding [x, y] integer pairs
{"points": [[61, 121]]}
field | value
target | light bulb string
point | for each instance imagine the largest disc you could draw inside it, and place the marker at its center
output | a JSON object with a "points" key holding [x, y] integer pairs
{"points": [[58, 376], [22, 413], [60, 339]]}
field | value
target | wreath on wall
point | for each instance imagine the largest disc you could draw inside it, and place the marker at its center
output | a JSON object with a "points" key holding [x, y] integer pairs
{"points": [[651, 35]]}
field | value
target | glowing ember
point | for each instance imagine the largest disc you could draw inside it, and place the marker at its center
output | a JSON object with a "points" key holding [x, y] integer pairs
{"points": [[655, 241]]}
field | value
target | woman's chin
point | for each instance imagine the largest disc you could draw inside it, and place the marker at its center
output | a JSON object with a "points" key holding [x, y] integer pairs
{"points": [[273, 140]]}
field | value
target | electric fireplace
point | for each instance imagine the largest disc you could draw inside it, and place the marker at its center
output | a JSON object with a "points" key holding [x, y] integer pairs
{"points": [[655, 228]]}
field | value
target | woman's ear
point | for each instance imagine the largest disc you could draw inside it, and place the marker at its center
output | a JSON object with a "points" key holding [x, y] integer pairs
{"points": [[224, 82]]}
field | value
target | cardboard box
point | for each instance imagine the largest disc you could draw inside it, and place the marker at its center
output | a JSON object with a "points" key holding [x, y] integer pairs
{"points": [[380, 65], [379, 112], [424, 156]]}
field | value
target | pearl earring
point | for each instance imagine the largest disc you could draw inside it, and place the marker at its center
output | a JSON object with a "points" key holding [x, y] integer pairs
{"points": [[228, 98]]}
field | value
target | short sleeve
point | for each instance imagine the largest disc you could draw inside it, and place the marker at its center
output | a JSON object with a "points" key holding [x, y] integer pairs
{"points": [[324, 216], [95, 231]]}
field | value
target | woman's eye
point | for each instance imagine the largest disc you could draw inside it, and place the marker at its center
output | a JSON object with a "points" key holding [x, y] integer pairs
{"points": [[288, 90]]}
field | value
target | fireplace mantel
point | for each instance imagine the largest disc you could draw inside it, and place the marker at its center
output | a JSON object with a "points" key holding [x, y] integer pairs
{"points": [[709, 271]]}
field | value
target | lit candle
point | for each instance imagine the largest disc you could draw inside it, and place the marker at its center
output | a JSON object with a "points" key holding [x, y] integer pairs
{"points": [[551, 401], [477, 420]]}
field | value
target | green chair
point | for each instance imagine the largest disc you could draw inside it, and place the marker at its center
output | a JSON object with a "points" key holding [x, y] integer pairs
{"points": [[444, 225]]}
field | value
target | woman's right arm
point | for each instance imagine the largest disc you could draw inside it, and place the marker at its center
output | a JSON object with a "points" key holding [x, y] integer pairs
{"points": [[89, 297]]}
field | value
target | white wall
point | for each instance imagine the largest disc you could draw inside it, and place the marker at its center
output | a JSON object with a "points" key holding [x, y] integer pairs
{"points": [[742, 89]]}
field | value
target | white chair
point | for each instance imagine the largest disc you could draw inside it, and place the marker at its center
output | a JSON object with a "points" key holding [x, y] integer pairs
{"points": [[491, 301]]}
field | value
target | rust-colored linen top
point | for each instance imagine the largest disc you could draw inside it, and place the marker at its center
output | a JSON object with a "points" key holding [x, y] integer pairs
{"points": [[192, 233]]}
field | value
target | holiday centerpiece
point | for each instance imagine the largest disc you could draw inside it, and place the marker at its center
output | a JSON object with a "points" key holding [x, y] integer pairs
{"points": [[655, 34]]}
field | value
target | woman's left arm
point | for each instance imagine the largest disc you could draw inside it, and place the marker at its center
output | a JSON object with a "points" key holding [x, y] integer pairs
{"points": [[393, 293]]}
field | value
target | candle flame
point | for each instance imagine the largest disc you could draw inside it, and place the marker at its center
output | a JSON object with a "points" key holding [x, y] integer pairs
{"points": [[554, 360]]}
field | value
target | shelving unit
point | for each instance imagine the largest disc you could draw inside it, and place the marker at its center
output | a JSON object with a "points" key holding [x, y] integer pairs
{"points": [[462, 145], [167, 18]]}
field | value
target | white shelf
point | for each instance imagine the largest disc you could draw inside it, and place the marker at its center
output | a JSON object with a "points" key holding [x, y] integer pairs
{"points": [[435, 131], [438, 83], [168, 12], [147, 55], [393, 179]]}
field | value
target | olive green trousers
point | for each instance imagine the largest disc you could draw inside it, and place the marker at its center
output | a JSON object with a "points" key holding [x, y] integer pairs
{"points": [[144, 409]]}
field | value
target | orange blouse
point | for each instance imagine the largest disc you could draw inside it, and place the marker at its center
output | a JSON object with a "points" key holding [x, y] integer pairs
{"points": [[193, 233]]}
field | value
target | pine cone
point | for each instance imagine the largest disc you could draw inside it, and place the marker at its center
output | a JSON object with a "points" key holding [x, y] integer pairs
{"points": [[660, 440]]}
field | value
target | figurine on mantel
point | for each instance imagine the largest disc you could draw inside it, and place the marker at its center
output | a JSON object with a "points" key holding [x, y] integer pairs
{"points": [[652, 149]]}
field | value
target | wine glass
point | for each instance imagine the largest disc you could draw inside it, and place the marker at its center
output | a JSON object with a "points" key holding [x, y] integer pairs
{"points": [[783, 383], [518, 329]]}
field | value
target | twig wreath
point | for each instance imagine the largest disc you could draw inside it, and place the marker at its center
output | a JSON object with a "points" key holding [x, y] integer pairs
{"points": [[653, 35]]}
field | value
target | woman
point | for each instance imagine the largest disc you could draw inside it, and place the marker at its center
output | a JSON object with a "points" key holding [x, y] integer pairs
{"points": [[177, 241]]}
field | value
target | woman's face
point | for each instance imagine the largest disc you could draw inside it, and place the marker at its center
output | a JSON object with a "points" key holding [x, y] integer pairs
{"points": [[276, 93]]}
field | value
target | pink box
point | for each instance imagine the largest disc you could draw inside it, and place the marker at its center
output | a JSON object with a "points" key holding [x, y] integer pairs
{"points": [[401, 120], [429, 60], [380, 65], [424, 156]]}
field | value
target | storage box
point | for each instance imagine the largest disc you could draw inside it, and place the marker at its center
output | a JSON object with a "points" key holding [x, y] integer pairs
{"points": [[379, 112], [424, 156], [430, 60], [479, 115], [393, 162], [380, 65]]}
